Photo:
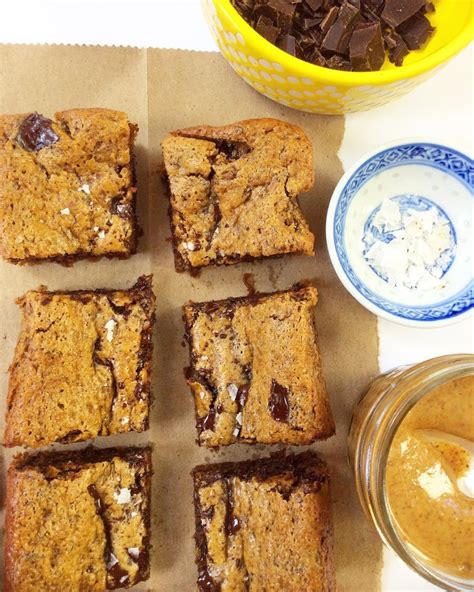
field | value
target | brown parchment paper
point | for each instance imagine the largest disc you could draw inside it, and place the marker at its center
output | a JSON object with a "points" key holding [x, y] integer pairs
{"points": [[162, 90]]}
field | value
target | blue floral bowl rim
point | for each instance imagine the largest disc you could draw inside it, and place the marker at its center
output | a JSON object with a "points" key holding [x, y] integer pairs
{"points": [[339, 267]]}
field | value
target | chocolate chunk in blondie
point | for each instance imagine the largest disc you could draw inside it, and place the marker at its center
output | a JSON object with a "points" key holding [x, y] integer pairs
{"points": [[234, 192], [67, 187], [82, 365], [264, 525], [255, 369], [78, 521]]}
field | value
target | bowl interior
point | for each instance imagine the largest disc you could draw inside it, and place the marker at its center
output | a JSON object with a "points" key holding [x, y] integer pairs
{"points": [[416, 182], [453, 21]]}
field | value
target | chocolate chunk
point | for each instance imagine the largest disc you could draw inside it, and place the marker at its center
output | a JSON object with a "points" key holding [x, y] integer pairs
{"points": [[263, 20], [265, 28], [329, 19], [267, 12], [120, 209], [242, 396], [372, 7], [285, 11], [321, 31], [232, 150], [338, 36], [231, 523], [397, 48], [92, 489], [278, 403], [317, 58], [308, 24], [280, 12], [116, 573], [36, 132], [287, 43], [207, 422], [206, 583], [313, 5], [337, 62], [366, 49], [395, 12], [415, 31]]}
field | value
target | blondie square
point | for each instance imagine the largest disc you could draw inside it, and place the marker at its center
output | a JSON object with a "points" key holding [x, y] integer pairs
{"points": [[78, 521], [234, 192], [82, 365], [67, 187], [264, 525], [255, 369]]}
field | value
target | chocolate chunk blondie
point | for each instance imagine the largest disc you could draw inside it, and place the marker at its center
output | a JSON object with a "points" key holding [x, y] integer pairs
{"points": [[78, 521], [234, 192], [255, 369], [67, 187], [82, 365], [264, 525]]}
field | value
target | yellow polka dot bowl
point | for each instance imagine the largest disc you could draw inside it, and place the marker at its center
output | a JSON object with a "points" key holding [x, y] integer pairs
{"points": [[298, 84]]}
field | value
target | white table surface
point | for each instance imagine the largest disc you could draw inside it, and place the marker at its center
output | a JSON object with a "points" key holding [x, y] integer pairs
{"points": [[441, 109]]}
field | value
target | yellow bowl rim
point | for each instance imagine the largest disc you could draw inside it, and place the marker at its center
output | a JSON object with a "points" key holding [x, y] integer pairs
{"points": [[339, 77]]}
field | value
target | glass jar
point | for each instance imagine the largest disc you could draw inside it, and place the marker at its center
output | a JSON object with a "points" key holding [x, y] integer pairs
{"points": [[375, 420]]}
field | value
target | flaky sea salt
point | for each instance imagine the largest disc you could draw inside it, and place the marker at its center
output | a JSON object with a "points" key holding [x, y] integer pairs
{"points": [[110, 327], [85, 188], [65, 211], [190, 246], [124, 496], [233, 389], [408, 246]]}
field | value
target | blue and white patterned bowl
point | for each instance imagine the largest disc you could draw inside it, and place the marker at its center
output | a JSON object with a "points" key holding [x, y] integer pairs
{"points": [[417, 177]]}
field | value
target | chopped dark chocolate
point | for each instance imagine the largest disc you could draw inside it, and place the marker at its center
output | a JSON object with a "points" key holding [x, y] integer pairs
{"points": [[36, 132], [397, 48], [270, 32], [285, 13], [317, 58], [278, 403], [366, 49], [341, 34], [313, 5], [396, 12], [329, 19], [415, 31], [338, 37], [287, 43], [337, 62], [372, 7]]}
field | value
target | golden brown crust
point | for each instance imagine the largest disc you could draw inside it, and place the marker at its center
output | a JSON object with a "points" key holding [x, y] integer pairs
{"points": [[234, 192], [255, 369], [73, 198], [264, 525], [82, 365], [78, 521]]}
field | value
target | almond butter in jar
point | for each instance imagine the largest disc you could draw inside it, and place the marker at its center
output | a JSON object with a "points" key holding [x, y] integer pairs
{"points": [[412, 471]]}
